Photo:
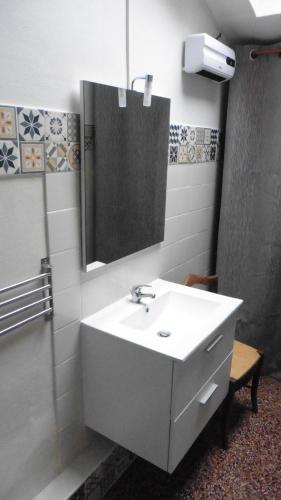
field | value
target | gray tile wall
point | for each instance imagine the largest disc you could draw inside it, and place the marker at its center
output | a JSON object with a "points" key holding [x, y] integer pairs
{"points": [[190, 212], [27, 424], [63, 216], [189, 218]]}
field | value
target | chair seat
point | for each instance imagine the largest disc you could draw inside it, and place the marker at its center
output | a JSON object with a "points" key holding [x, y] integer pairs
{"points": [[243, 359], [246, 362]]}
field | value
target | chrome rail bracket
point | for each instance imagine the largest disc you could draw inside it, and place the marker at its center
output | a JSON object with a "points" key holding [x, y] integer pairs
{"points": [[47, 268]]}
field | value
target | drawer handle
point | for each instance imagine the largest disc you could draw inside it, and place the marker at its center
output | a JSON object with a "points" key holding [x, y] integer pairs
{"points": [[214, 343], [209, 392]]}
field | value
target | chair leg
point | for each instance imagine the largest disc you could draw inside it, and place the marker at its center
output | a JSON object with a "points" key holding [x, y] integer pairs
{"points": [[226, 414], [255, 384]]}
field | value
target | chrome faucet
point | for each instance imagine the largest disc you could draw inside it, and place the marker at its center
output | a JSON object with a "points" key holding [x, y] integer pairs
{"points": [[137, 294]]}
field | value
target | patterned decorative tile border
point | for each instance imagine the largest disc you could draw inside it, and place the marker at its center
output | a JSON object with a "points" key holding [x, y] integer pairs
{"points": [[189, 144], [38, 140], [100, 482]]}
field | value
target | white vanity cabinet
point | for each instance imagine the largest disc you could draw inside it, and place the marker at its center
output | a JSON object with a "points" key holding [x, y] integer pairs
{"points": [[150, 403]]}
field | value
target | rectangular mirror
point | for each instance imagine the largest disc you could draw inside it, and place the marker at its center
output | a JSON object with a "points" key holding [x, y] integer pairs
{"points": [[124, 154]]}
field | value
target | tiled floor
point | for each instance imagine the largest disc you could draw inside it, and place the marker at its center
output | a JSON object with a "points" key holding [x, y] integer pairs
{"points": [[249, 469]]}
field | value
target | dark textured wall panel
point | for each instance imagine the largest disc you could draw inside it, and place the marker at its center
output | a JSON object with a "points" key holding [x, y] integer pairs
{"points": [[249, 247]]}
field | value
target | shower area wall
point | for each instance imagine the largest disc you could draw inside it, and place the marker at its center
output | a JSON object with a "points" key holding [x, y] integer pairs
{"points": [[249, 242]]}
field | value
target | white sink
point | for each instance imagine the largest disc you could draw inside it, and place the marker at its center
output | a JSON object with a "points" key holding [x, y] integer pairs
{"points": [[151, 394], [171, 311], [188, 314]]}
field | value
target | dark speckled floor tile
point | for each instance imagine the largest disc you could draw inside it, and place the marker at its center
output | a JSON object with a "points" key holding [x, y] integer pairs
{"points": [[249, 470]]}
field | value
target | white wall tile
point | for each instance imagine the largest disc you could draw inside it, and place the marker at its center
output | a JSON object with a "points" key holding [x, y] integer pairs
{"points": [[69, 407], [102, 290], [182, 226], [145, 267], [66, 269], [22, 228], [177, 253], [66, 307], [64, 229], [199, 264], [23, 245], [62, 191], [27, 423], [191, 175], [187, 199], [72, 440], [115, 280], [68, 373], [67, 342], [21, 194]]}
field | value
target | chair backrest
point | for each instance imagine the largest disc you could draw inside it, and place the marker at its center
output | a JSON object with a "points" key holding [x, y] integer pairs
{"points": [[198, 279]]}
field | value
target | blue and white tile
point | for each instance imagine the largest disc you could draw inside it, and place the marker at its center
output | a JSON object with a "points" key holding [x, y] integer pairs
{"points": [[51, 157], [73, 127], [173, 154], [207, 136], [31, 124], [8, 127], [174, 134], [32, 157], [199, 153], [55, 126], [214, 136], [191, 135], [56, 157], [207, 153], [183, 154], [9, 158], [191, 153], [200, 135], [183, 134], [62, 157], [73, 156], [213, 153]]}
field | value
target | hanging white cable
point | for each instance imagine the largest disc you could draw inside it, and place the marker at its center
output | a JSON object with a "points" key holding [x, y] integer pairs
{"points": [[128, 43]]}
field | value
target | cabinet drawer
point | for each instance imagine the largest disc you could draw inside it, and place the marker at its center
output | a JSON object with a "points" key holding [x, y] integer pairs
{"points": [[190, 376], [188, 425]]}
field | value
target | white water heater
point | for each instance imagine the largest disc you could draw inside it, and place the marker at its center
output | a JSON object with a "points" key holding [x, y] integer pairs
{"points": [[206, 56]]}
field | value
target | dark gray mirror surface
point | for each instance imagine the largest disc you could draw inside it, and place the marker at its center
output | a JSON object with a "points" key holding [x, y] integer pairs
{"points": [[124, 172]]}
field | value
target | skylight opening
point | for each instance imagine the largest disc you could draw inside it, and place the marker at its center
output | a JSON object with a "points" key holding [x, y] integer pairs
{"points": [[263, 8]]}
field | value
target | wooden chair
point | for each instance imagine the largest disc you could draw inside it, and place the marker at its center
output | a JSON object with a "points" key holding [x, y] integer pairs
{"points": [[245, 366]]}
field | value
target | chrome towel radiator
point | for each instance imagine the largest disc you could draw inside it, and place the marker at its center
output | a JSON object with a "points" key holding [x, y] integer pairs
{"points": [[45, 301]]}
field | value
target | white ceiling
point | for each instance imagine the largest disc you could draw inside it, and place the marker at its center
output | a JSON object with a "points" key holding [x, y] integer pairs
{"points": [[238, 23]]}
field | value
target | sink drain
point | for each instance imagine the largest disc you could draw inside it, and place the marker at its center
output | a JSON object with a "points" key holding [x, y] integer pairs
{"points": [[164, 333]]}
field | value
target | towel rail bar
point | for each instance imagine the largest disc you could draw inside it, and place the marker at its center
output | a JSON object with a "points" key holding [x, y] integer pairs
{"points": [[25, 308], [26, 320], [25, 282], [46, 300], [24, 295]]}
